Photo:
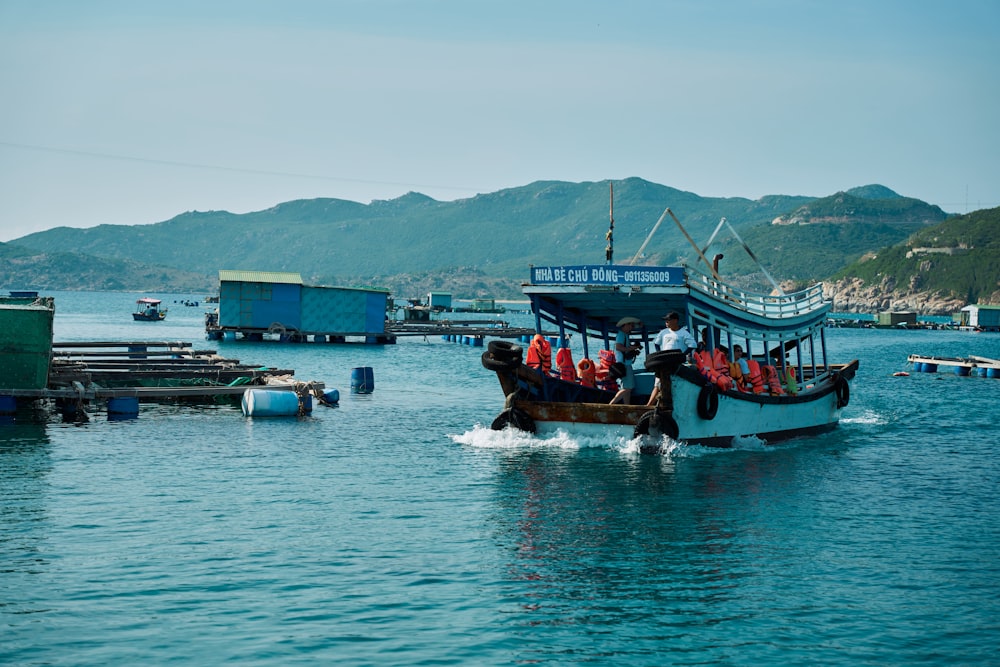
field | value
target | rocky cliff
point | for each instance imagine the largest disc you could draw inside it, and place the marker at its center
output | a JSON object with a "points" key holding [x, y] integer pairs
{"points": [[853, 295]]}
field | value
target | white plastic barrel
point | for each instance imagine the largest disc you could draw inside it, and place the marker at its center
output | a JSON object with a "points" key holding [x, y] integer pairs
{"points": [[272, 403]]}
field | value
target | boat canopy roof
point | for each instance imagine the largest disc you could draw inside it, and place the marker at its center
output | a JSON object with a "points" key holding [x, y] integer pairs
{"points": [[149, 301], [593, 298]]}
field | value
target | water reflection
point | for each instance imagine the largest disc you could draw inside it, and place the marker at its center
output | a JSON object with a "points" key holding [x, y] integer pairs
{"points": [[603, 540], [25, 463]]}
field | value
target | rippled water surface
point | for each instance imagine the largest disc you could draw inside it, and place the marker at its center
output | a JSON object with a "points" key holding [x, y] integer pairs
{"points": [[397, 529]]}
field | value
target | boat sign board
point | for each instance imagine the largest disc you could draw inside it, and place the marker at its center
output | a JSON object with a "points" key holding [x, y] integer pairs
{"points": [[607, 274]]}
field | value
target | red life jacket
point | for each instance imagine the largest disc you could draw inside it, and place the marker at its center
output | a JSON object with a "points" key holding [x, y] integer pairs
{"points": [[773, 380], [756, 379], [587, 372], [564, 362], [539, 355]]}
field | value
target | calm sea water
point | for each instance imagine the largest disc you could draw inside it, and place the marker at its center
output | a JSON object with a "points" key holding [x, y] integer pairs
{"points": [[396, 529]]}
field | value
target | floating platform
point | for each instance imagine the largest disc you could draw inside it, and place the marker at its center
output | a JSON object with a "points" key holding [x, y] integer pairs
{"points": [[971, 365], [151, 371], [393, 329]]}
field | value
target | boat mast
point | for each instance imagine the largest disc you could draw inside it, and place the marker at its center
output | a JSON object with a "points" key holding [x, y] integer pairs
{"points": [[694, 245], [638, 253], [609, 252], [723, 221]]}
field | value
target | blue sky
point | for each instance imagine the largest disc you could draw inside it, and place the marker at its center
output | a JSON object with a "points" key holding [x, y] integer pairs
{"points": [[133, 112]]}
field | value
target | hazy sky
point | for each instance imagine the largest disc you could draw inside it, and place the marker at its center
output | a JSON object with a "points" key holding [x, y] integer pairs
{"points": [[131, 112]]}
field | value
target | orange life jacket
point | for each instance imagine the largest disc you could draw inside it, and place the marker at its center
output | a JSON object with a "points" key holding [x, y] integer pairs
{"points": [[706, 362], [721, 365], [604, 379], [756, 379], [564, 362], [539, 355], [736, 373], [587, 372], [773, 380]]}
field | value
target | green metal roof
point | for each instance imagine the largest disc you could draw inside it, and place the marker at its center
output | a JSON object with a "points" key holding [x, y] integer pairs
{"points": [[226, 275]]}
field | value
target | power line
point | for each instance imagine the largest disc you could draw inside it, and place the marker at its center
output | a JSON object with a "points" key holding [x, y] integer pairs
{"points": [[214, 167]]}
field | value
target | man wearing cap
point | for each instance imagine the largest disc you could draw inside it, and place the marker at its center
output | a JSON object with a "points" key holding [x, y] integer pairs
{"points": [[674, 336], [624, 353]]}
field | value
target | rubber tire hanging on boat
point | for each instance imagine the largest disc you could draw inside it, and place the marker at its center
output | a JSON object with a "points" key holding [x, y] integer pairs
{"points": [[843, 389], [667, 425], [519, 419], [667, 360], [503, 350], [708, 402], [491, 363]]}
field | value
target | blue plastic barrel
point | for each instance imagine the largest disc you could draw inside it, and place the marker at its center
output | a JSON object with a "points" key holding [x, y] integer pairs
{"points": [[961, 370], [477, 341], [331, 396], [930, 368], [362, 380], [273, 403], [8, 405], [123, 407], [993, 372]]}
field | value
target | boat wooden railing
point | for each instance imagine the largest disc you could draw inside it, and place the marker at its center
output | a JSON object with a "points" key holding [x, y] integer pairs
{"points": [[778, 306]]}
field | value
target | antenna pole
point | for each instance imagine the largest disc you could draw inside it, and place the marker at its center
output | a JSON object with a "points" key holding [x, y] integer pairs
{"points": [[609, 252], [694, 245]]}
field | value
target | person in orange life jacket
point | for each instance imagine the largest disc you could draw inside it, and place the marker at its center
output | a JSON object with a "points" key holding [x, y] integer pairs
{"points": [[625, 352], [539, 355], [739, 370], [672, 337]]}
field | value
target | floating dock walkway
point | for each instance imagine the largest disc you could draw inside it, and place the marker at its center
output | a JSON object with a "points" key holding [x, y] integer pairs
{"points": [[149, 370], [971, 365], [477, 329]]}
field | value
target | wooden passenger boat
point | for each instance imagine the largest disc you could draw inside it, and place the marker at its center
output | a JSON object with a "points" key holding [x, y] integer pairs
{"points": [[785, 331]]}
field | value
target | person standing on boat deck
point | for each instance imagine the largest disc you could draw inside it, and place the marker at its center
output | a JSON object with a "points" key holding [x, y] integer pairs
{"points": [[672, 337], [625, 353]]}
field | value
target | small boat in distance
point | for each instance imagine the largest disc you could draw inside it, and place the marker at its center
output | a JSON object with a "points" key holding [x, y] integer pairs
{"points": [[792, 388], [148, 310]]}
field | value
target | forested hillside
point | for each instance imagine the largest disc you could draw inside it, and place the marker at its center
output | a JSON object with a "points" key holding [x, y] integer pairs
{"points": [[475, 247], [959, 257]]}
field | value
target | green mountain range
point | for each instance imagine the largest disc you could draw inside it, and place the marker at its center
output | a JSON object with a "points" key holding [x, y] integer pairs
{"points": [[957, 259], [476, 247]]}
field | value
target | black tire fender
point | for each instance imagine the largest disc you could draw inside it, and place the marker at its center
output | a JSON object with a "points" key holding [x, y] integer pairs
{"points": [[491, 363], [665, 424], [665, 360], [518, 419], [843, 390], [708, 402], [504, 350]]}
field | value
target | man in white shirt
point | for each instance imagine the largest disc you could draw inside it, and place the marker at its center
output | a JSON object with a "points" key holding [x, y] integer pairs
{"points": [[674, 336]]}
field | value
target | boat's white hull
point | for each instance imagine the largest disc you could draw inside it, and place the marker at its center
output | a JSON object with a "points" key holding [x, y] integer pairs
{"points": [[769, 418]]}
